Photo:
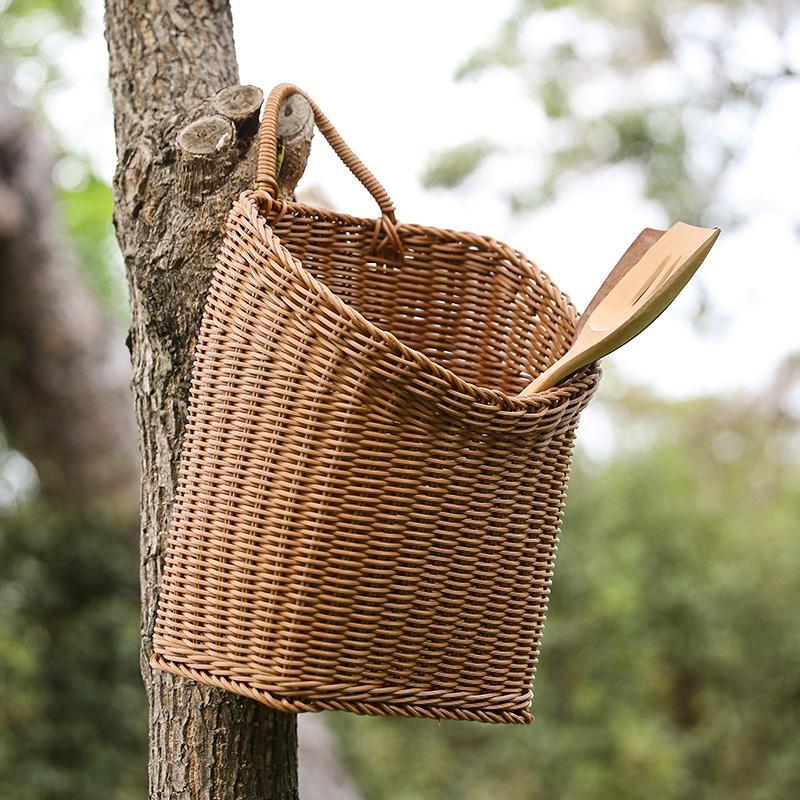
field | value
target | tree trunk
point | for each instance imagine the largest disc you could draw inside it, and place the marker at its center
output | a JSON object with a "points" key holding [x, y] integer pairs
{"points": [[167, 62]]}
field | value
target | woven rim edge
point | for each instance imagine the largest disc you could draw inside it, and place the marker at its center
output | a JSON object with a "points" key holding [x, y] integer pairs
{"points": [[550, 398]]}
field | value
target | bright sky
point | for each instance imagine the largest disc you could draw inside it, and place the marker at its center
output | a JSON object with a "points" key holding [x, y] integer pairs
{"points": [[384, 75]]}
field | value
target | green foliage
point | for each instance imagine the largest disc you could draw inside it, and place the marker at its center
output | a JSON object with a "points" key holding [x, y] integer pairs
{"points": [[453, 167], [66, 14], [670, 659], [29, 34], [86, 206], [650, 85], [24, 24], [72, 709]]}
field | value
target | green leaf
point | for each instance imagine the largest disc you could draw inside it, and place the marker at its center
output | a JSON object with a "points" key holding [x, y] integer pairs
{"points": [[452, 167]]}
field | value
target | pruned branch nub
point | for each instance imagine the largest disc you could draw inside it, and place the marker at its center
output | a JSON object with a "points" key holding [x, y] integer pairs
{"points": [[206, 153], [238, 103], [207, 136], [211, 145], [295, 129]]}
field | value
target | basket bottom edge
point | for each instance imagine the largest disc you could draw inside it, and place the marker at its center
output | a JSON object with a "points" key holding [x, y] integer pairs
{"points": [[282, 703]]}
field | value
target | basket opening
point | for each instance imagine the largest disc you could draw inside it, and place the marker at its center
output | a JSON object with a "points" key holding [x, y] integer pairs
{"points": [[470, 304]]}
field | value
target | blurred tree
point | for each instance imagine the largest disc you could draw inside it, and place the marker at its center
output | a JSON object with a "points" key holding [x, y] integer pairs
{"points": [[64, 396], [669, 665], [669, 668], [33, 36], [667, 88], [72, 720]]}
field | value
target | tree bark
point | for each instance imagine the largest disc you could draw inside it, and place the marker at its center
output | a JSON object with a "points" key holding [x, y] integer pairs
{"points": [[168, 61], [64, 387]]}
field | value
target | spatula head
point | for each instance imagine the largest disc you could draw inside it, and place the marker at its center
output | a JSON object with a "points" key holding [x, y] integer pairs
{"points": [[630, 258], [643, 293], [638, 290]]}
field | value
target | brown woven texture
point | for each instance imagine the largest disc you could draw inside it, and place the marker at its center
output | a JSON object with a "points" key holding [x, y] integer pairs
{"points": [[366, 516]]}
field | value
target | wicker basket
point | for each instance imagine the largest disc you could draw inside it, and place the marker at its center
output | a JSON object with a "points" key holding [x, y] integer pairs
{"points": [[367, 516]]}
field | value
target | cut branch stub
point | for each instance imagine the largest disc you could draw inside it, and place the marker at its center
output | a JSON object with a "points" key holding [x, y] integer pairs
{"points": [[206, 150], [240, 104], [209, 147], [295, 129]]}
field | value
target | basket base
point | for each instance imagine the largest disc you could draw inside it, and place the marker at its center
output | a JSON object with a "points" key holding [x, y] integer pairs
{"points": [[522, 717]]}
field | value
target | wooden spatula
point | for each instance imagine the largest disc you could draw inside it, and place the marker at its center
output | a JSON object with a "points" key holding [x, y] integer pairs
{"points": [[646, 280], [630, 258]]}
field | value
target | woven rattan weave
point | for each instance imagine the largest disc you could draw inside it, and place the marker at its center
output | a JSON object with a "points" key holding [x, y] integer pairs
{"points": [[367, 516]]}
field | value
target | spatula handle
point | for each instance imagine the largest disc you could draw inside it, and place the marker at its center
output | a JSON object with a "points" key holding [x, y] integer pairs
{"points": [[550, 377]]}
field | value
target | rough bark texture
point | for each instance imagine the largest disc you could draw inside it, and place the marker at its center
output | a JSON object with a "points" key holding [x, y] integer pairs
{"points": [[167, 62], [64, 386]]}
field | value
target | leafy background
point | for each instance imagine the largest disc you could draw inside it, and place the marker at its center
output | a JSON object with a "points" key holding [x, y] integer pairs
{"points": [[671, 662]]}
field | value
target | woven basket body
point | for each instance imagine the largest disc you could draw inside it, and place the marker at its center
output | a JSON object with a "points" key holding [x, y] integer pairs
{"points": [[366, 515]]}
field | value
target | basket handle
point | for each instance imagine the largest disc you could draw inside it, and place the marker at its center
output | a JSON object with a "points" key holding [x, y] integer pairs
{"points": [[267, 169]]}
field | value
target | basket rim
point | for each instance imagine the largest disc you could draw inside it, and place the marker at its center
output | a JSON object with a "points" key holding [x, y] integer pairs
{"points": [[578, 383], [478, 713]]}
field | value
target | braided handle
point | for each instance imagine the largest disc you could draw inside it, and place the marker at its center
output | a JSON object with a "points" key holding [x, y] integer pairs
{"points": [[267, 171]]}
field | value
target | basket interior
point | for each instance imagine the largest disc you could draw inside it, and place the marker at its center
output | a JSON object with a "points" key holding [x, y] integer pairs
{"points": [[472, 305]]}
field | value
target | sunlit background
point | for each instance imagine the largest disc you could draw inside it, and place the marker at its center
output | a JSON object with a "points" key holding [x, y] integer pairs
{"points": [[671, 660]]}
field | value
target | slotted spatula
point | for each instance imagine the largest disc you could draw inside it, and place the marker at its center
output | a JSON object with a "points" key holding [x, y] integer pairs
{"points": [[632, 296]]}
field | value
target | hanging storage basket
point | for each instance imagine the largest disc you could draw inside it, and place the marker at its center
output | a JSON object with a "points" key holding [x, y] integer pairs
{"points": [[367, 515]]}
